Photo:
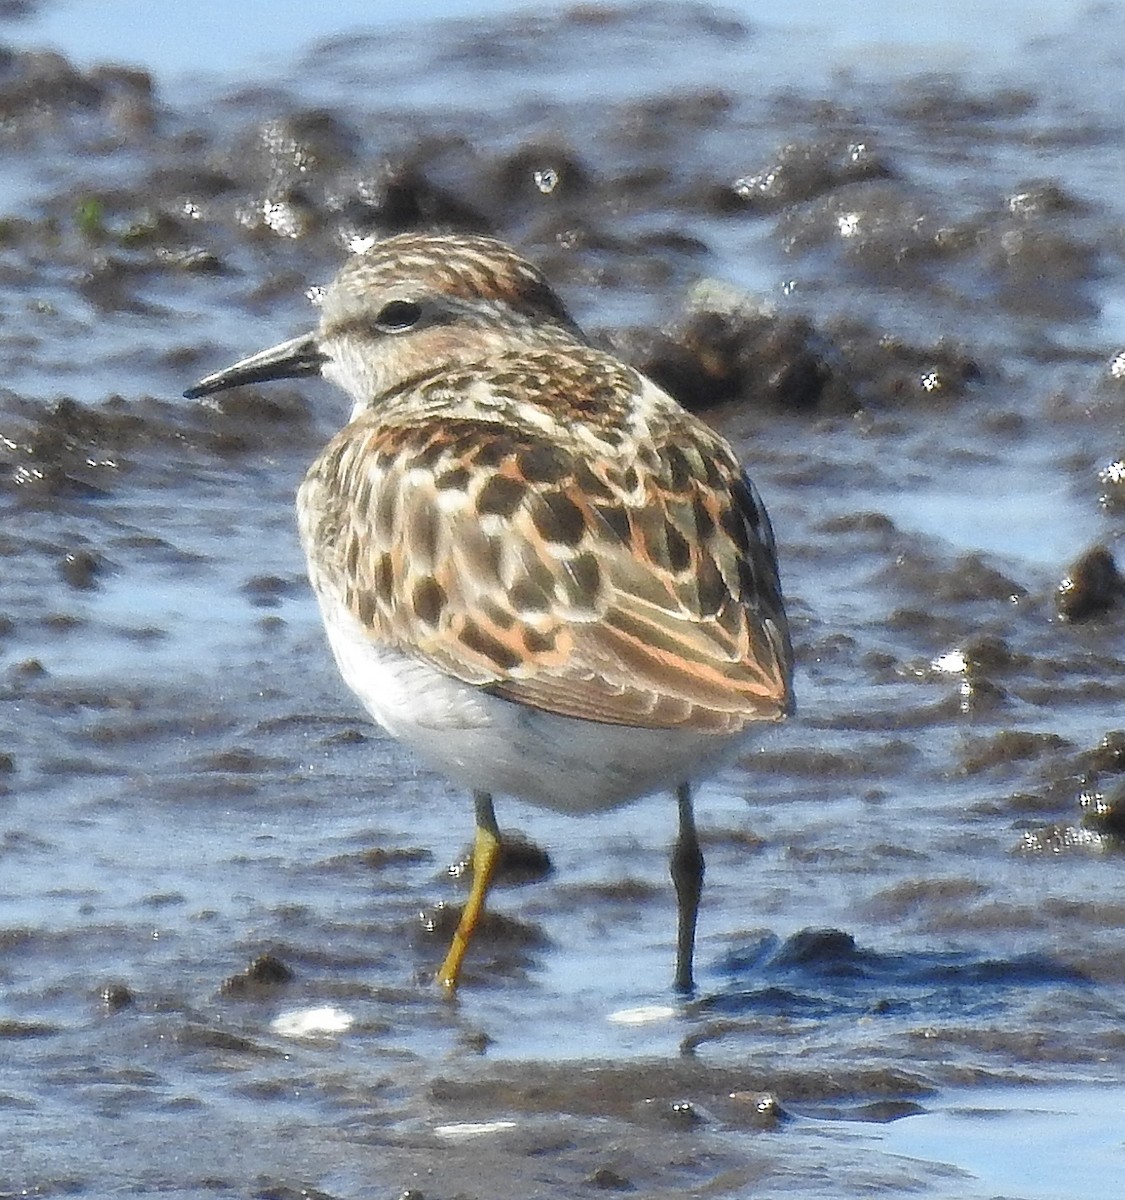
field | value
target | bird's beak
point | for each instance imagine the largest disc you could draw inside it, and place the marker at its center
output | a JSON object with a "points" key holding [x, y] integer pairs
{"points": [[292, 359]]}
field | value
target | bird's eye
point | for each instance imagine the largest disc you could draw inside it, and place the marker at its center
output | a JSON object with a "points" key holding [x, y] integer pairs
{"points": [[398, 315]]}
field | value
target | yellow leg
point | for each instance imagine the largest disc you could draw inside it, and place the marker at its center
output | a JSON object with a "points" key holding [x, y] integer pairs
{"points": [[486, 854]]}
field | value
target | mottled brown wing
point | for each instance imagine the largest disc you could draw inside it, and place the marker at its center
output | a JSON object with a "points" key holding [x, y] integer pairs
{"points": [[639, 590]]}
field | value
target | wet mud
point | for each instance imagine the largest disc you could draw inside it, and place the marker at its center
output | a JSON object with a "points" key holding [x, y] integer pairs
{"points": [[222, 892]]}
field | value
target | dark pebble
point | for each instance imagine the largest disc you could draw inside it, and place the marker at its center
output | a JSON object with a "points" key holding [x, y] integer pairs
{"points": [[521, 861], [1106, 814], [265, 974], [80, 569], [1091, 586], [116, 996], [606, 1179], [760, 1110]]}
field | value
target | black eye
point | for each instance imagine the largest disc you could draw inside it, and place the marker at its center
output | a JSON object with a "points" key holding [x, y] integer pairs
{"points": [[398, 315]]}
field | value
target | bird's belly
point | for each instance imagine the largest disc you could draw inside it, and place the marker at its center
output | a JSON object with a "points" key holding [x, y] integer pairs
{"points": [[493, 745]]}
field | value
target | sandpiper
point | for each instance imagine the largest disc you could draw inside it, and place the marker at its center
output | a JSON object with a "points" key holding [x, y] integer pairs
{"points": [[534, 567]]}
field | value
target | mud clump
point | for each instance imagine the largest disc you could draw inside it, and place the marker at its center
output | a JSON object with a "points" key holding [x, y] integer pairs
{"points": [[1091, 587], [262, 977]]}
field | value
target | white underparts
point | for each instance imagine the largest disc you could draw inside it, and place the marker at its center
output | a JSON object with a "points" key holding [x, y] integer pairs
{"points": [[489, 744]]}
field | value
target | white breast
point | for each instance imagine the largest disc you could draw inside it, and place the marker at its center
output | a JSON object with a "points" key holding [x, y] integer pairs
{"points": [[493, 745]]}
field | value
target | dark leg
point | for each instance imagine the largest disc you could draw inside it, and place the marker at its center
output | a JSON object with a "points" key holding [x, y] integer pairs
{"points": [[687, 875], [486, 854]]}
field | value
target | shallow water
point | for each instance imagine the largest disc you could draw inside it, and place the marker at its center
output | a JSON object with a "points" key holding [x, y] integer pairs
{"points": [[1057, 1141], [912, 913]]}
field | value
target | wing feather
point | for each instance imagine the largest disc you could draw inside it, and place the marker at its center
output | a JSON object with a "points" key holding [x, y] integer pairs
{"points": [[636, 589]]}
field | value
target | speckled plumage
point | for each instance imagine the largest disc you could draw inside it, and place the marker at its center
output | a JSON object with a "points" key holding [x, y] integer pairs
{"points": [[533, 565]]}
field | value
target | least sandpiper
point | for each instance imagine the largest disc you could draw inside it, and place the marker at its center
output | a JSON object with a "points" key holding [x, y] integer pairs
{"points": [[534, 567]]}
